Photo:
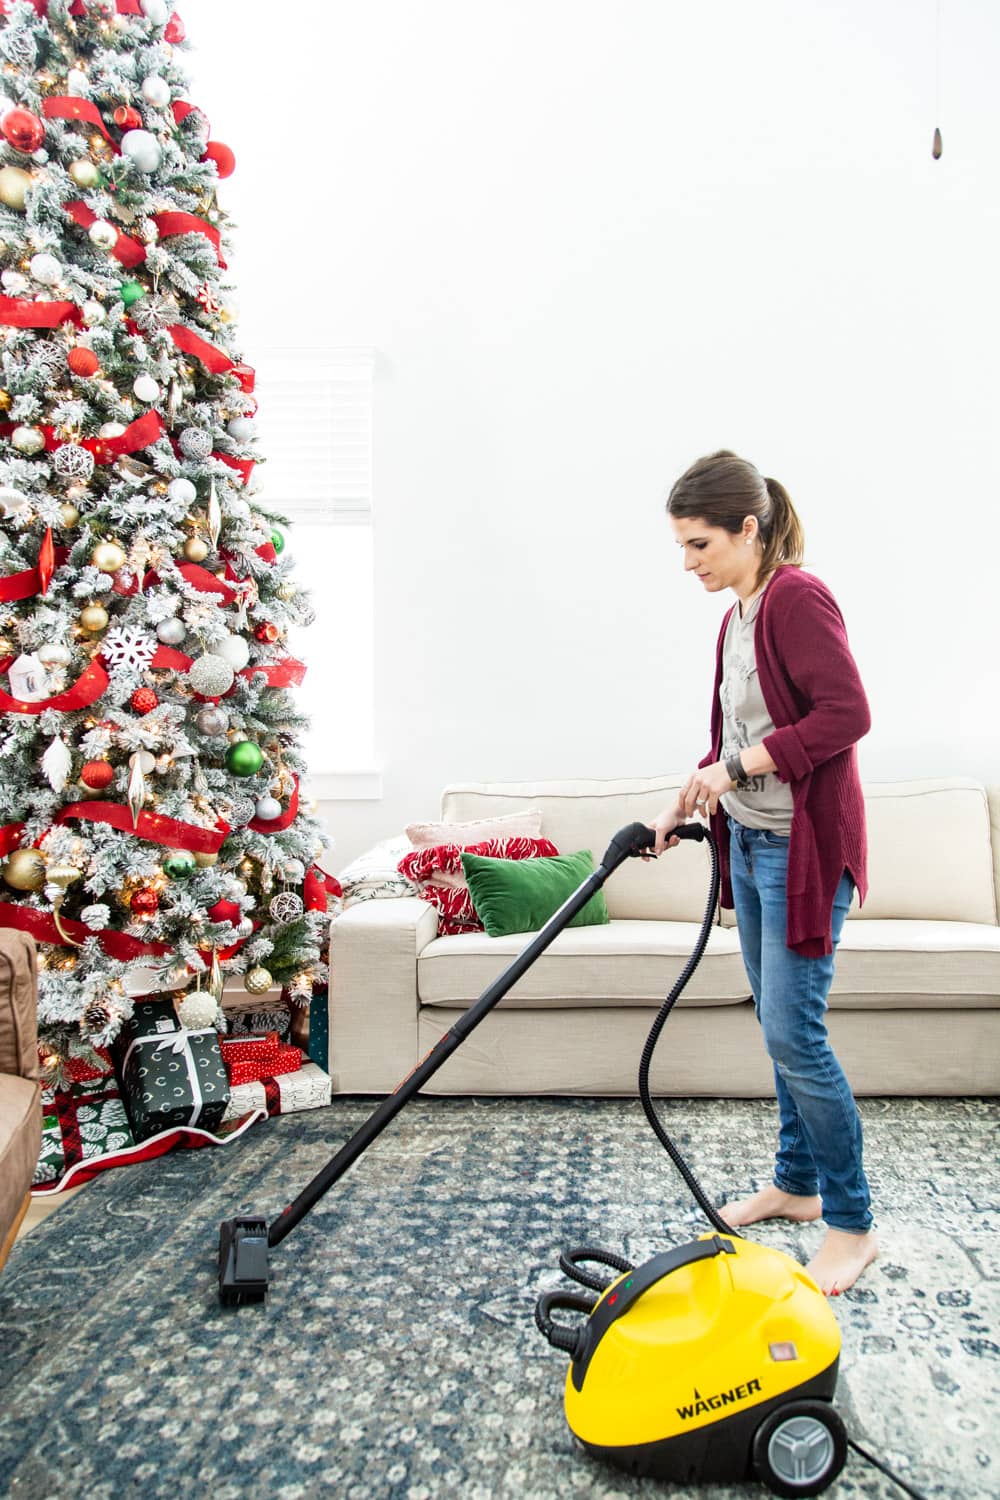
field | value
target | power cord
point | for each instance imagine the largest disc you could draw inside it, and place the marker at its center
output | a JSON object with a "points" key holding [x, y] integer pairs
{"points": [[878, 1464]]}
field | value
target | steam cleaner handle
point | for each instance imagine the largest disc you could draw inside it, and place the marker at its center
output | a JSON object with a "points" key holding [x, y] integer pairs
{"points": [[635, 838]]}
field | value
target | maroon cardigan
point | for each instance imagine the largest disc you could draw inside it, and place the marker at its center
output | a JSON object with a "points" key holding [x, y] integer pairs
{"points": [[814, 698]]}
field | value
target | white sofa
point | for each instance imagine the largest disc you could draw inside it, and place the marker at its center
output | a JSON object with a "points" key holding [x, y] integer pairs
{"points": [[915, 1005]]}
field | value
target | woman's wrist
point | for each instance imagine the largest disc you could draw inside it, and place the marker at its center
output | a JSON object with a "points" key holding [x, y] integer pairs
{"points": [[735, 770]]}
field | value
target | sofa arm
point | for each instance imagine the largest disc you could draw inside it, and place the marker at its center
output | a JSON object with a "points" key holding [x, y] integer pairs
{"points": [[374, 947], [18, 1005]]}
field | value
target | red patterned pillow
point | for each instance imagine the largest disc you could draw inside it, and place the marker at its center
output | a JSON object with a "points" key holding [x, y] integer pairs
{"points": [[438, 873]]}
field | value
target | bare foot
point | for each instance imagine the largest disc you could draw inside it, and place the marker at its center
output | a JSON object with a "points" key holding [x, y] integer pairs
{"points": [[771, 1203], [840, 1260]]}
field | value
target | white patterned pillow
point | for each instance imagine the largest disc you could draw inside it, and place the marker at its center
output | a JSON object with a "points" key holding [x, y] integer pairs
{"points": [[374, 874]]}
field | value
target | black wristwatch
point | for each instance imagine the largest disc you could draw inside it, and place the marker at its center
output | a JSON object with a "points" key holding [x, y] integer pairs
{"points": [[734, 768]]}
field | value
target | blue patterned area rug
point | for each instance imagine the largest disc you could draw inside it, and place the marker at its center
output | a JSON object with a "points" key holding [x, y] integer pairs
{"points": [[397, 1358]]}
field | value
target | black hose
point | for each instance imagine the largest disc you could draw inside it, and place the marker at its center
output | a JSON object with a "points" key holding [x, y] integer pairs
{"points": [[569, 1264], [694, 1186]]}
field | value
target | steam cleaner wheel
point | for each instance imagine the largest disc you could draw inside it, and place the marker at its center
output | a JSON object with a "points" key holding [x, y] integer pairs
{"points": [[800, 1448]]}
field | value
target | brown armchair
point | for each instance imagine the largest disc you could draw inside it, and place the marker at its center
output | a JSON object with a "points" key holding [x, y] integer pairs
{"points": [[20, 1090]]}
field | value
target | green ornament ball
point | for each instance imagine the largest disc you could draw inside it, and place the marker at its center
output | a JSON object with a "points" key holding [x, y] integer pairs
{"points": [[244, 758], [277, 540], [131, 292], [179, 864]]}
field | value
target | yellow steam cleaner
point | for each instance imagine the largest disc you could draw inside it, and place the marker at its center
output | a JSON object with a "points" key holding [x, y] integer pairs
{"points": [[715, 1360]]}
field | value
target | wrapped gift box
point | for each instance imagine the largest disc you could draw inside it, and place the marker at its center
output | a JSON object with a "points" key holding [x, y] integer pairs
{"points": [[80, 1122], [260, 1048], [285, 1060], [169, 1076], [247, 1017], [307, 1088]]}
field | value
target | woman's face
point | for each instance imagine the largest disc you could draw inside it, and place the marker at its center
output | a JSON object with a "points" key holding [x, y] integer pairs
{"points": [[718, 558]]}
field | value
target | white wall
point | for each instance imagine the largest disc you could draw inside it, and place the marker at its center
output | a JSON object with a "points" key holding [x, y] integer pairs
{"points": [[590, 242]]}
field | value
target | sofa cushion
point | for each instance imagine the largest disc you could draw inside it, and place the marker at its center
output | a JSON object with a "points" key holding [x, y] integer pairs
{"points": [[930, 855], [522, 895], [587, 815], [620, 964], [884, 964]]}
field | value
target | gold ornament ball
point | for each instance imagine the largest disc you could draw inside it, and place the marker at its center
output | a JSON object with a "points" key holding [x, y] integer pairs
{"points": [[108, 556], [94, 618], [84, 173], [257, 981], [14, 184], [5, 400], [24, 869], [196, 549], [205, 861], [68, 514]]}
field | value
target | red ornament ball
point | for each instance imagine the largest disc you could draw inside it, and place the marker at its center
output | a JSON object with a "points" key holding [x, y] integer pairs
{"points": [[127, 118], [144, 700], [144, 901], [225, 911], [97, 774], [267, 631], [23, 130], [83, 361], [174, 30], [225, 161]]}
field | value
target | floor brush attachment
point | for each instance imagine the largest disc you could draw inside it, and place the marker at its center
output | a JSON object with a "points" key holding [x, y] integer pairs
{"points": [[242, 1261]]}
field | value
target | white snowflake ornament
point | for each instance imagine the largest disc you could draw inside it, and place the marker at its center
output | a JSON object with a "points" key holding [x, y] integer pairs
{"points": [[126, 647]]}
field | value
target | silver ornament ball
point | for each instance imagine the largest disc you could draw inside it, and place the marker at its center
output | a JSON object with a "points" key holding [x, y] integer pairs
{"points": [[210, 675], [171, 632], [212, 721], [73, 462], [267, 809], [195, 442], [142, 148], [182, 491], [102, 234]]}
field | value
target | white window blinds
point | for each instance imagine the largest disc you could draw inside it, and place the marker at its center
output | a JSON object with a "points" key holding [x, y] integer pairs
{"points": [[315, 433]]}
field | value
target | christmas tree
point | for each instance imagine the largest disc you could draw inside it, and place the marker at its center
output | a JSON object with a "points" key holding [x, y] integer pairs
{"points": [[150, 823]]}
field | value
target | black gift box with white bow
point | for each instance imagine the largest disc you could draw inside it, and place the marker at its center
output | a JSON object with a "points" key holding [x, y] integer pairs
{"points": [[170, 1076]]}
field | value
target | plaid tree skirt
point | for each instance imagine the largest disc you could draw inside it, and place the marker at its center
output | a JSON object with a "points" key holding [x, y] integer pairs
{"points": [[85, 1131]]}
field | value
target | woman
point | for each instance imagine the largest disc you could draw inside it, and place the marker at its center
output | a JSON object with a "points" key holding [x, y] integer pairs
{"points": [[781, 789]]}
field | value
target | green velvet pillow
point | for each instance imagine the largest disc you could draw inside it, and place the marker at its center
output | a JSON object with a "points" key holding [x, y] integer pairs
{"points": [[520, 895]]}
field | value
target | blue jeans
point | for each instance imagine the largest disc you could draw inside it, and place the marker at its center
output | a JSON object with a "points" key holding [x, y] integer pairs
{"points": [[820, 1142]]}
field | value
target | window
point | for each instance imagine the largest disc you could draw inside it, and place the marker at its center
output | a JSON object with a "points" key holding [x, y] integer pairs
{"points": [[315, 425]]}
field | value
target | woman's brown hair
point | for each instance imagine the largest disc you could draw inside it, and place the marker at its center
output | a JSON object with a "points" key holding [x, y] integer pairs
{"points": [[723, 489]]}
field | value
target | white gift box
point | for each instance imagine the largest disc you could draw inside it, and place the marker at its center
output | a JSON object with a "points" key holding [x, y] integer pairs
{"points": [[309, 1088]]}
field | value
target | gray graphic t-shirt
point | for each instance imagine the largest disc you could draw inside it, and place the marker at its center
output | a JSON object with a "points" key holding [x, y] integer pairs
{"points": [[766, 802]]}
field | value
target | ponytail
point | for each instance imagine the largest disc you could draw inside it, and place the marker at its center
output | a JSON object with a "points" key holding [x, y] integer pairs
{"points": [[782, 536]]}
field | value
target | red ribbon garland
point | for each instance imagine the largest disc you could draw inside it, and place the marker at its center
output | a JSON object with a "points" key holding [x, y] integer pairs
{"points": [[288, 672], [125, 249], [158, 829], [10, 838], [318, 886], [26, 585], [22, 312], [41, 925], [69, 107], [138, 434], [189, 342], [89, 686], [174, 222], [275, 825]]}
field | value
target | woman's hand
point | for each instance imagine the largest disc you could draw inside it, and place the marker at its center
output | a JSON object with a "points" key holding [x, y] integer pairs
{"points": [[702, 790], [666, 820]]}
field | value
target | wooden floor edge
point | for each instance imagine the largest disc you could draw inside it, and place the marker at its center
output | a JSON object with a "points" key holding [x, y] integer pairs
{"points": [[11, 1235]]}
